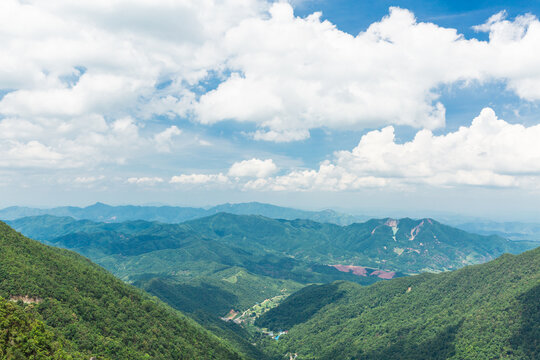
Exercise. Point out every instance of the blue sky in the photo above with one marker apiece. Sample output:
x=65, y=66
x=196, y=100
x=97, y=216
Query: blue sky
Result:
x=374, y=107
x=356, y=16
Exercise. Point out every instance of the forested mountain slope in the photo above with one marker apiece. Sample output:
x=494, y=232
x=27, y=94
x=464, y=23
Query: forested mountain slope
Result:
x=96, y=313
x=488, y=311
x=206, y=267
x=397, y=244
x=24, y=336
x=405, y=245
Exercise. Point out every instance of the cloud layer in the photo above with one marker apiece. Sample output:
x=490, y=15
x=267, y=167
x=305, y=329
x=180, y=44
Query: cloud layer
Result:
x=490, y=152
x=92, y=83
x=291, y=74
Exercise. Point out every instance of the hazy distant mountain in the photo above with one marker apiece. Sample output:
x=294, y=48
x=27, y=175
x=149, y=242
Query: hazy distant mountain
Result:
x=510, y=230
x=176, y=214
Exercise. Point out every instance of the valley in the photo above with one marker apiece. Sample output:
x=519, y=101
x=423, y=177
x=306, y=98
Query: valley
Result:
x=477, y=312
x=237, y=275
x=228, y=271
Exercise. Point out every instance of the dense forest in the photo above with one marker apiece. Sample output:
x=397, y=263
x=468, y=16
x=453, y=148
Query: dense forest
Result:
x=403, y=245
x=210, y=266
x=23, y=335
x=97, y=314
x=488, y=311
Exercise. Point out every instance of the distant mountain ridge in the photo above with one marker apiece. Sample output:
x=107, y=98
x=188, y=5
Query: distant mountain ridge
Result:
x=405, y=245
x=517, y=231
x=177, y=214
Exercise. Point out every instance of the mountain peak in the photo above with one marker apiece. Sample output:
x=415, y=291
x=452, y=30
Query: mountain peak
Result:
x=98, y=205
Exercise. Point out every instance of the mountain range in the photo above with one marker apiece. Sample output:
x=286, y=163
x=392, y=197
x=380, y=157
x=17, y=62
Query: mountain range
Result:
x=488, y=311
x=176, y=214
x=241, y=260
x=511, y=230
x=228, y=266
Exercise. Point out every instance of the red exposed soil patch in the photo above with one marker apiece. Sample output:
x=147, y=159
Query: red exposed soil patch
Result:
x=384, y=274
x=363, y=271
x=356, y=270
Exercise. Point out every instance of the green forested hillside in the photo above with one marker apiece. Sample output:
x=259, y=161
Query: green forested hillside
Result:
x=396, y=244
x=96, y=313
x=210, y=266
x=24, y=336
x=139, y=251
x=488, y=311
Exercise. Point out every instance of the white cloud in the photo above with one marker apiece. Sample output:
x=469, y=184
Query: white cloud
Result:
x=281, y=136
x=145, y=180
x=88, y=179
x=197, y=179
x=490, y=152
x=238, y=172
x=253, y=168
x=74, y=68
x=293, y=74
x=163, y=139
x=68, y=60
x=85, y=76
x=32, y=153
x=53, y=143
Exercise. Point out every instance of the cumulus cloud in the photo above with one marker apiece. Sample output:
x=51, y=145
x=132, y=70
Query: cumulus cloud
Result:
x=490, y=152
x=163, y=139
x=32, y=153
x=292, y=74
x=253, y=168
x=55, y=144
x=75, y=70
x=80, y=79
x=285, y=74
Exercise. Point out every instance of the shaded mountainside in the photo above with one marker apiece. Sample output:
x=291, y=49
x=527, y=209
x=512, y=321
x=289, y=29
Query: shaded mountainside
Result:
x=93, y=311
x=487, y=311
x=176, y=214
